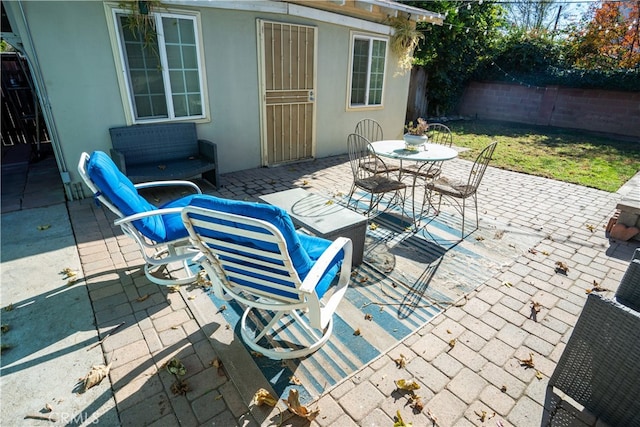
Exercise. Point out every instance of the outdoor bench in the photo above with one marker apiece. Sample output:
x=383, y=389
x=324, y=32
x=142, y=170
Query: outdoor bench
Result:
x=164, y=151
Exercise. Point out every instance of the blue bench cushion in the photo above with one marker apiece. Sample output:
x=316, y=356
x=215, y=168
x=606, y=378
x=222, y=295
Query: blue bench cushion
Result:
x=303, y=250
x=123, y=194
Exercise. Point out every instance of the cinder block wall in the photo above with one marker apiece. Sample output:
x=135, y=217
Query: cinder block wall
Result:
x=596, y=110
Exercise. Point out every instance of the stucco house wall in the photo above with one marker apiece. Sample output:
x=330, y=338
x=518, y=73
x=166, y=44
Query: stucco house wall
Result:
x=70, y=43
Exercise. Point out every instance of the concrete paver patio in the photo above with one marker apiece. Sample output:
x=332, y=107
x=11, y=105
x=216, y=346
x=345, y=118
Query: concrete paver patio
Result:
x=480, y=374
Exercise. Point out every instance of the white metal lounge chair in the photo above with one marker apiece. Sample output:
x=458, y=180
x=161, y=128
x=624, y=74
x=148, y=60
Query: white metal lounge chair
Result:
x=159, y=231
x=290, y=282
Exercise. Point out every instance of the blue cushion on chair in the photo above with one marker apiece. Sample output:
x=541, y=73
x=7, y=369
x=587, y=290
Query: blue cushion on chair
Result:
x=304, y=250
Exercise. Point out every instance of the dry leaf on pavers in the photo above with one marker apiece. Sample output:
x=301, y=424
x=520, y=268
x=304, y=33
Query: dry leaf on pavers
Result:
x=416, y=403
x=180, y=387
x=357, y=332
x=263, y=397
x=44, y=227
x=400, y=422
x=507, y=284
x=401, y=361
x=562, y=268
x=432, y=417
x=363, y=279
x=535, y=309
x=479, y=238
x=293, y=403
x=95, y=376
x=403, y=384
x=174, y=288
x=143, y=298
x=596, y=288
x=527, y=363
x=533, y=251
x=368, y=317
x=329, y=202
x=539, y=375
x=295, y=380
x=591, y=228
x=256, y=354
x=483, y=416
x=545, y=253
x=176, y=367
x=452, y=343
x=373, y=226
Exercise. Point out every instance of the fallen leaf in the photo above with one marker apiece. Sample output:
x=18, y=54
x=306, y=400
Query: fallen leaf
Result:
x=527, y=363
x=400, y=422
x=452, y=343
x=545, y=253
x=295, y=380
x=180, y=387
x=48, y=408
x=44, y=227
x=363, y=279
x=305, y=182
x=449, y=331
x=216, y=363
x=221, y=309
x=68, y=272
x=482, y=415
x=329, y=202
x=373, y=226
x=191, y=297
x=407, y=385
x=507, y=284
x=401, y=361
x=479, y=238
x=561, y=267
x=533, y=251
x=174, y=288
x=591, y=228
x=416, y=404
x=263, y=397
x=293, y=403
x=256, y=354
x=96, y=375
x=357, y=332
x=503, y=388
x=368, y=317
x=176, y=367
x=218, y=397
x=539, y=375
x=143, y=298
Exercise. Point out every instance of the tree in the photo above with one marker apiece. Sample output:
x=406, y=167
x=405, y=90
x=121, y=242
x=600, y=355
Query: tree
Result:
x=610, y=39
x=450, y=53
x=530, y=15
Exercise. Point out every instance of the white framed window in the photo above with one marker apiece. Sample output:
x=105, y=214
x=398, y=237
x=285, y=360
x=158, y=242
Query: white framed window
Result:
x=368, y=64
x=164, y=75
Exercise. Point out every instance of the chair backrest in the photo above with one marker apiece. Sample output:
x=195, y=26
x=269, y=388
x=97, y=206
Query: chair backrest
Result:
x=479, y=167
x=254, y=245
x=370, y=129
x=361, y=156
x=439, y=134
x=114, y=190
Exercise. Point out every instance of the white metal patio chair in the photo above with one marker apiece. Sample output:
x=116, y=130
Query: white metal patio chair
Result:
x=291, y=283
x=367, y=176
x=159, y=231
x=371, y=129
x=457, y=192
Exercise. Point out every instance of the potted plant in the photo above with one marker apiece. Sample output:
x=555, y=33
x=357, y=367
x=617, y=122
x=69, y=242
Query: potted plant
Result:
x=416, y=134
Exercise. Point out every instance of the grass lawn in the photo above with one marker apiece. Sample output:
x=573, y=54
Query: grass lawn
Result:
x=567, y=155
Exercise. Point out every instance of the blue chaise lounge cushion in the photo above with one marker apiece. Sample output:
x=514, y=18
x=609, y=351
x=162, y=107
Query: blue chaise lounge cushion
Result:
x=304, y=250
x=123, y=194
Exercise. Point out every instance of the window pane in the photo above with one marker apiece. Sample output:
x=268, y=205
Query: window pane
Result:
x=195, y=104
x=180, y=105
x=177, y=82
x=189, y=57
x=193, y=81
x=170, y=29
x=174, y=56
x=359, y=72
x=367, y=78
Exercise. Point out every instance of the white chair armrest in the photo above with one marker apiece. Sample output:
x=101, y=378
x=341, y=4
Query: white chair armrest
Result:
x=135, y=217
x=311, y=281
x=174, y=183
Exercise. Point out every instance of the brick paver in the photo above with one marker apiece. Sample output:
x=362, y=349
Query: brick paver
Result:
x=479, y=374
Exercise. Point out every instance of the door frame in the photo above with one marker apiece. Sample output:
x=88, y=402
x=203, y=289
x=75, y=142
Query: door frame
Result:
x=264, y=154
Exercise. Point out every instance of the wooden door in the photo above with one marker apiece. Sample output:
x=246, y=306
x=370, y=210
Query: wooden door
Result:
x=287, y=84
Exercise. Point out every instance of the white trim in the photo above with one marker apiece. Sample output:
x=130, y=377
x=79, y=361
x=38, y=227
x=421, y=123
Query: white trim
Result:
x=289, y=9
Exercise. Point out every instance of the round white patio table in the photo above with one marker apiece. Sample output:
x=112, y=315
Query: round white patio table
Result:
x=427, y=154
